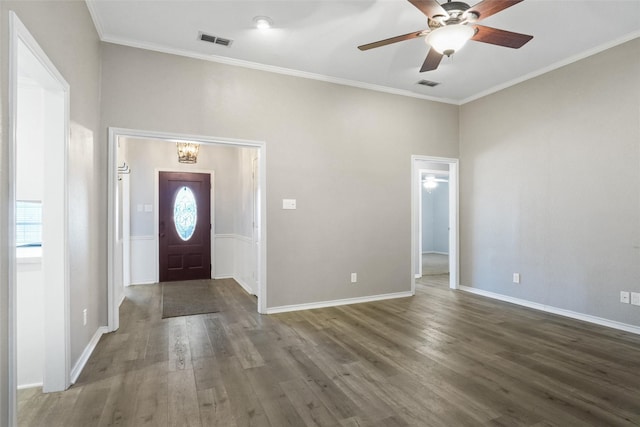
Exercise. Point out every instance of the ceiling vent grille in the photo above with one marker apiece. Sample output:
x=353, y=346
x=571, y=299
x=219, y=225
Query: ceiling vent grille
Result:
x=214, y=39
x=428, y=83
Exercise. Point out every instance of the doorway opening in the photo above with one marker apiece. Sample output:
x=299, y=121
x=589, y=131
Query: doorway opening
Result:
x=145, y=227
x=434, y=224
x=434, y=221
x=39, y=345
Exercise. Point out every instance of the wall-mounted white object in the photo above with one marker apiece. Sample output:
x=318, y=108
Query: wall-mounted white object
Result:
x=288, y=203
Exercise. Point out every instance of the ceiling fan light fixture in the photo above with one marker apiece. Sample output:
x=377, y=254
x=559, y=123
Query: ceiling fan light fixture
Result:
x=449, y=39
x=430, y=183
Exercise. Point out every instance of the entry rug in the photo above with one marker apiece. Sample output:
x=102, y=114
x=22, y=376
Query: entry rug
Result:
x=188, y=298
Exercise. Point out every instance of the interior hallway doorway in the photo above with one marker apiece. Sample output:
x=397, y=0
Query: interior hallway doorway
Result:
x=143, y=155
x=434, y=218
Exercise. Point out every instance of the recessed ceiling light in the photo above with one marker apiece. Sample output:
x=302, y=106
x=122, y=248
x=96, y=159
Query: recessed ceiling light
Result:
x=263, y=22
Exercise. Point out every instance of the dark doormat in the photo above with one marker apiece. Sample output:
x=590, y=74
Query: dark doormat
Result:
x=188, y=298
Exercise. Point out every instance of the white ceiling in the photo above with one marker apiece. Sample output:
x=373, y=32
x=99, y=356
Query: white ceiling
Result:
x=319, y=39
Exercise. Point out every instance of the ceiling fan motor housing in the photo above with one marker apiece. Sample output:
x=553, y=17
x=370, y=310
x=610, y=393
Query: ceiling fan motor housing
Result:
x=455, y=9
x=452, y=24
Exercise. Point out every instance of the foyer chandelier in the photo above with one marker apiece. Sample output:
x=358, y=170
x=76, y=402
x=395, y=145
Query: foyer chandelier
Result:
x=187, y=152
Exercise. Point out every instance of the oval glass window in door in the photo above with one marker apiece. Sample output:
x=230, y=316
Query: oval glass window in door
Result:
x=185, y=213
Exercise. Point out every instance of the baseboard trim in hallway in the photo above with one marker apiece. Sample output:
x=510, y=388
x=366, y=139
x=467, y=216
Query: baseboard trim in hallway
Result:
x=555, y=310
x=338, y=302
x=86, y=354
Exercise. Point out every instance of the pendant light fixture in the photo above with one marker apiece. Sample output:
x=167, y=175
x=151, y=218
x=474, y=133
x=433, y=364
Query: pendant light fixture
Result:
x=187, y=152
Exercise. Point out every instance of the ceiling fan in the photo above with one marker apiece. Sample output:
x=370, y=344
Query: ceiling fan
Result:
x=451, y=24
x=430, y=182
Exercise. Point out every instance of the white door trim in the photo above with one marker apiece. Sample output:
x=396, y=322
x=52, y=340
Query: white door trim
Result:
x=55, y=253
x=419, y=213
x=114, y=134
x=454, y=255
x=126, y=231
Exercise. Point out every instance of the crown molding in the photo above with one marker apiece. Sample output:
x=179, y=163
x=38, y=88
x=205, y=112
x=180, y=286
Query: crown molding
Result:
x=552, y=67
x=273, y=69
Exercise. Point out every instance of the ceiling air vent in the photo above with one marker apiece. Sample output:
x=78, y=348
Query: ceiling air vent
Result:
x=214, y=39
x=428, y=83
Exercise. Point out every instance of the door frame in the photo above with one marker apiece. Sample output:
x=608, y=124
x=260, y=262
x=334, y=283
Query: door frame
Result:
x=126, y=231
x=416, y=208
x=57, y=365
x=156, y=209
x=114, y=134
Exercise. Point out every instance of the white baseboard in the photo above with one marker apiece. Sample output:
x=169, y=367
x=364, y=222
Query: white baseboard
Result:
x=244, y=286
x=223, y=277
x=335, y=303
x=25, y=386
x=121, y=301
x=435, y=252
x=84, y=357
x=555, y=310
x=153, y=282
x=417, y=276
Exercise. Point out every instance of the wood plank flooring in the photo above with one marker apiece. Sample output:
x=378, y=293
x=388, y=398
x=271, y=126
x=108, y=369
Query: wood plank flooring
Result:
x=441, y=358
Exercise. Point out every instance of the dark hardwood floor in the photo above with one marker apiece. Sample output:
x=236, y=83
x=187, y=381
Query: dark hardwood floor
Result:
x=441, y=358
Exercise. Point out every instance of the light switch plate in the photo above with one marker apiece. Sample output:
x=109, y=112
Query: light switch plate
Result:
x=624, y=297
x=635, y=298
x=148, y=208
x=288, y=203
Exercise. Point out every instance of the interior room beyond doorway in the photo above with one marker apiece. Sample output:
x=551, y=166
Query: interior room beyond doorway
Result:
x=232, y=206
x=435, y=220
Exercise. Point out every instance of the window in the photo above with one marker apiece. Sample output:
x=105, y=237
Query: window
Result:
x=185, y=213
x=28, y=223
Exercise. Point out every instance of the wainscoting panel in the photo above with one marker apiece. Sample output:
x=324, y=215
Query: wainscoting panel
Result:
x=144, y=265
x=234, y=256
x=30, y=319
x=224, y=262
x=245, y=264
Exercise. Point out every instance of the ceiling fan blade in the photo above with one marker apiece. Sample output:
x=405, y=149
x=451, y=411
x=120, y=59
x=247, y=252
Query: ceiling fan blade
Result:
x=486, y=8
x=430, y=8
x=396, y=39
x=432, y=61
x=500, y=37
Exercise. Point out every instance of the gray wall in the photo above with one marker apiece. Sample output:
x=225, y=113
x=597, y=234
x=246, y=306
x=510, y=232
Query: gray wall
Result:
x=343, y=153
x=550, y=187
x=66, y=33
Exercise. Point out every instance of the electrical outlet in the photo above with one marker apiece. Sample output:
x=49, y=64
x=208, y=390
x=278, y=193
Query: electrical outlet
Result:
x=84, y=317
x=624, y=297
x=516, y=277
x=635, y=298
x=354, y=277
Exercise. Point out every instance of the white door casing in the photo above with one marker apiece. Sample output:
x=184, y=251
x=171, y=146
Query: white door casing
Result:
x=55, y=258
x=416, y=236
x=114, y=134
